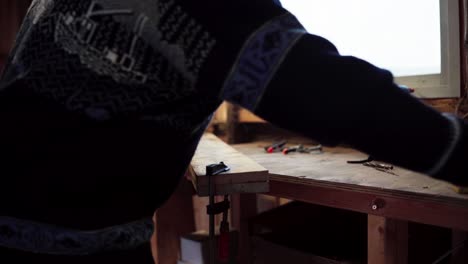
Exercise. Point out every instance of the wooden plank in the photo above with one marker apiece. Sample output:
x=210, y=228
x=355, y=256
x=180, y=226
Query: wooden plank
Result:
x=232, y=124
x=328, y=180
x=244, y=207
x=225, y=189
x=245, y=116
x=394, y=206
x=387, y=241
x=331, y=169
x=170, y=225
x=443, y=105
x=245, y=175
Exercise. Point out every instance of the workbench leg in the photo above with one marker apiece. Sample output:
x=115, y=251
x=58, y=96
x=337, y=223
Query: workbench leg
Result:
x=387, y=240
x=244, y=207
x=172, y=220
x=459, y=239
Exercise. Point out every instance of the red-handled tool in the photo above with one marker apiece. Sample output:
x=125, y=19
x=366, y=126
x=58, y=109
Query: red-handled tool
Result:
x=278, y=146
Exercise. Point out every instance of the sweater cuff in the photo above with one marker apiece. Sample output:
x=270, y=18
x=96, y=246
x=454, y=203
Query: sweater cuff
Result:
x=456, y=132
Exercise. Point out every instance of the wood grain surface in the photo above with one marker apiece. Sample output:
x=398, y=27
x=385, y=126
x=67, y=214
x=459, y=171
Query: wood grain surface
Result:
x=244, y=176
x=330, y=169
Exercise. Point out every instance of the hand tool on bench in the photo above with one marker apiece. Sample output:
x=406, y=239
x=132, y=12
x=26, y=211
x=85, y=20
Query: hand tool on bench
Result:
x=275, y=147
x=302, y=149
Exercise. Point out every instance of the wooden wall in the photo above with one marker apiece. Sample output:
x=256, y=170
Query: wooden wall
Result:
x=11, y=15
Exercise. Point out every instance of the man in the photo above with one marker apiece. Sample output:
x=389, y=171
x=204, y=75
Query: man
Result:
x=103, y=102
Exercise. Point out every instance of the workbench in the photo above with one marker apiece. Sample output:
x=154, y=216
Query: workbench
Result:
x=389, y=199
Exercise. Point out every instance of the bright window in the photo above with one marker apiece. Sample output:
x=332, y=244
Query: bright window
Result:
x=417, y=40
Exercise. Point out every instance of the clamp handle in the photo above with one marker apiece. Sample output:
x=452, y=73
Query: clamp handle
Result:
x=217, y=168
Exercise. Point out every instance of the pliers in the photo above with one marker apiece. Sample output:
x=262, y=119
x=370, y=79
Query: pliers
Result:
x=302, y=149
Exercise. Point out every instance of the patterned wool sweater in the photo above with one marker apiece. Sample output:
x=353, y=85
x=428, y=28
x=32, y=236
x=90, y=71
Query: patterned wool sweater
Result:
x=104, y=101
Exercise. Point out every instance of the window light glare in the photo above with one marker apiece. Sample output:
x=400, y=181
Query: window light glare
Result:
x=402, y=36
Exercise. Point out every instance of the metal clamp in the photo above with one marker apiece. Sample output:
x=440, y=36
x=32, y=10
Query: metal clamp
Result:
x=215, y=208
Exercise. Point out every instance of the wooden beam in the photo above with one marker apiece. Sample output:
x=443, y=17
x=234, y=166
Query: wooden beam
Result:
x=170, y=224
x=327, y=179
x=396, y=206
x=244, y=207
x=245, y=175
x=387, y=241
x=232, y=122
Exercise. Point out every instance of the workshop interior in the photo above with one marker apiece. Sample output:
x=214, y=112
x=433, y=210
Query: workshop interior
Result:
x=257, y=193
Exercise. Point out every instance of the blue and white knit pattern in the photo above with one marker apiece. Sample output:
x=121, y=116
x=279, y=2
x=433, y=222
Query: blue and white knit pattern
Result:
x=110, y=58
x=53, y=240
x=259, y=60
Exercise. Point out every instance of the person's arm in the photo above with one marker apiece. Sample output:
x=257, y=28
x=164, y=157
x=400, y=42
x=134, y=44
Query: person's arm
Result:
x=344, y=100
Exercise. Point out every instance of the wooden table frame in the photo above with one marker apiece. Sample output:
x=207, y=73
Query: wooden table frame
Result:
x=390, y=203
x=389, y=210
x=388, y=223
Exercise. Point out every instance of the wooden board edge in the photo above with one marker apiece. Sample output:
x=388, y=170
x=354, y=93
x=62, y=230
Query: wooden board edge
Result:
x=244, y=177
x=226, y=189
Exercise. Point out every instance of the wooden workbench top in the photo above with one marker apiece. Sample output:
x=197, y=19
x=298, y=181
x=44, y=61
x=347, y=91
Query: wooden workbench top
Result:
x=244, y=176
x=331, y=169
x=327, y=179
